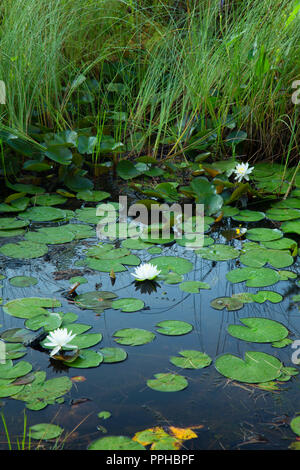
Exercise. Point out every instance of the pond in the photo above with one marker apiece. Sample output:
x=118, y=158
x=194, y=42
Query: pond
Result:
x=220, y=411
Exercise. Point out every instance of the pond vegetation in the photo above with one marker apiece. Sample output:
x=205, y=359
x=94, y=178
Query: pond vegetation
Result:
x=134, y=339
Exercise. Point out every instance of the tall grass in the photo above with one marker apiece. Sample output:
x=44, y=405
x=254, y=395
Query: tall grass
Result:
x=184, y=64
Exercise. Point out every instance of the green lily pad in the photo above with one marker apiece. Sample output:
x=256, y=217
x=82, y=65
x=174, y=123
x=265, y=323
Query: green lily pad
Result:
x=48, y=200
x=173, y=327
x=23, y=281
x=115, y=443
x=218, y=252
x=281, y=244
x=104, y=414
x=191, y=359
x=280, y=214
x=92, y=196
x=81, y=230
x=259, y=256
x=282, y=343
x=111, y=355
x=133, y=336
x=249, y=216
x=230, y=303
x=265, y=295
x=45, y=431
x=285, y=275
x=291, y=227
x=7, y=223
x=24, y=250
x=43, y=214
x=135, y=244
x=295, y=425
x=51, y=235
x=41, y=392
x=9, y=371
x=29, y=307
x=86, y=359
x=128, y=304
x=78, y=279
x=168, y=382
x=264, y=234
x=172, y=263
x=11, y=233
x=14, y=351
x=257, y=367
x=95, y=300
x=193, y=287
x=254, y=277
x=17, y=335
x=258, y=330
x=10, y=390
x=171, y=278
x=49, y=322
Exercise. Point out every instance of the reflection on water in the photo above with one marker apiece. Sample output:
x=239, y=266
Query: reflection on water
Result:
x=234, y=415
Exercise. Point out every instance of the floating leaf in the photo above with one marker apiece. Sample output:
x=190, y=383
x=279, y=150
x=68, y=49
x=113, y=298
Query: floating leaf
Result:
x=7, y=223
x=258, y=330
x=96, y=300
x=128, y=304
x=24, y=250
x=29, y=307
x=23, y=281
x=43, y=214
x=111, y=355
x=115, y=443
x=172, y=263
x=45, y=431
x=48, y=199
x=86, y=359
x=257, y=367
x=104, y=414
x=249, y=216
x=218, y=252
x=254, y=277
x=193, y=287
x=263, y=234
x=92, y=196
x=173, y=327
x=133, y=336
x=191, y=359
x=51, y=235
x=230, y=303
x=168, y=382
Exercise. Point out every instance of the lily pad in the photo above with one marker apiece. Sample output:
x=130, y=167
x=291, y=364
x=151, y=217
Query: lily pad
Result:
x=7, y=223
x=173, y=327
x=191, y=359
x=218, y=252
x=128, y=304
x=86, y=359
x=43, y=214
x=29, y=307
x=258, y=330
x=51, y=235
x=24, y=250
x=257, y=367
x=45, y=431
x=249, y=216
x=230, y=303
x=193, y=287
x=111, y=355
x=263, y=234
x=291, y=227
x=81, y=230
x=172, y=263
x=95, y=300
x=259, y=256
x=168, y=382
x=133, y=336
x=280, y=214
x=92, y=196
x=23, y=281
x=115, y=443
x=254, y=277
x=48, y=199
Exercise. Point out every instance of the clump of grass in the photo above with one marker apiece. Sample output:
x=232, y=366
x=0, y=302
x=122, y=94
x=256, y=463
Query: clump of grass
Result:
x=184, y=65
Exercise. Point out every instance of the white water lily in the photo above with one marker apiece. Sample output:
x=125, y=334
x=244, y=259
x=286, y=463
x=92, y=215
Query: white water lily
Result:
x=145, y=271
x=58, y=339
x=241, y=171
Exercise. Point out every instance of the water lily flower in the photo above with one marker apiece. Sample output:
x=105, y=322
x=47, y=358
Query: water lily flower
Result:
x=145, y=271
x=241, y=171
x=58, y=339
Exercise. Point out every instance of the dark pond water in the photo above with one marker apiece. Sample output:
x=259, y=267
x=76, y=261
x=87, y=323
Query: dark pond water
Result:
x=233, y=415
